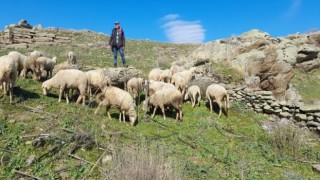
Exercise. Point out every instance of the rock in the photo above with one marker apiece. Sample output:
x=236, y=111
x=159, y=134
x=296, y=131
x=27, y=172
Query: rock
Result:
x=106, y=159
x=309, y=66
x=259, y=110
x=307, y=52
x=310, y=108
x=31, y=160
x=300, y=117
x=278, y=111
x=267, y=109
x=253, y=82
x=267, y=98
x=28, y=142
x=285, y=109
x=120, y=76
x=310, y=118
x=312, y=124
x=12, y=121
x=203, y=82
x=285, y=115
x=317, y=120
x=315, y=114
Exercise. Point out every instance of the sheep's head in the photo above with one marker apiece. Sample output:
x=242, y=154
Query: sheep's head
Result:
x=54, y=59
x=46, y=88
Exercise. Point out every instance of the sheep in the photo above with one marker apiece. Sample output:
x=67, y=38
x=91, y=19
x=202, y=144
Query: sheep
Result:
x=65, y=80
x=72, y=58
x=30, y=64
x=165, y=76
x=175, y=68
x=152, y=86
x=45, y=64
x=194, y=94
x=155, y=74
x=117, y=98
x=187, y=74
x=19, y=59
x=97, y=80
x=8, y=74
x=219, y=93
x=134, y=86
x=164, y=98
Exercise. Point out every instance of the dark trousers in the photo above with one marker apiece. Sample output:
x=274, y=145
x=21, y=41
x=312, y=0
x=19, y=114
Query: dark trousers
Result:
x=115, y=50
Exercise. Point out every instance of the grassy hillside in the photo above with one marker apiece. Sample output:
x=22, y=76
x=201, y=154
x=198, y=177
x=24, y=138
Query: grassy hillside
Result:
x=47, y=139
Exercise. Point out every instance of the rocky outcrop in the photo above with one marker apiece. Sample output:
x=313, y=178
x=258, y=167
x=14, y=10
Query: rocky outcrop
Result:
x=120, y=76
x=266, y=62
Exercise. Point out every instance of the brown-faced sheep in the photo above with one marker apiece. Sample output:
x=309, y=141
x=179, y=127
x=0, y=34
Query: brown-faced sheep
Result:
x=166, y=97
x=194, y=94
x=65, y=80
x=218, y=93
x=119, y=99
x=8, y=74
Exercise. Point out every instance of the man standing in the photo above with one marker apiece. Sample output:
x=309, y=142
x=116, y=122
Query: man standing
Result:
x=117, y=42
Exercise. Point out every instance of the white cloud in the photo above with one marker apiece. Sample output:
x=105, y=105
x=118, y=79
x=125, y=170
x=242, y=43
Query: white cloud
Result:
x=293, y=9
x=180, y=31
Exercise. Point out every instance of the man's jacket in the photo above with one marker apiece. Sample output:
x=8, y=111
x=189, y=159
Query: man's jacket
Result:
x=121, y=38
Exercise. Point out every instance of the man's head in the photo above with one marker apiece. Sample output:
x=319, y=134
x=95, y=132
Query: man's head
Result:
x=117, y=24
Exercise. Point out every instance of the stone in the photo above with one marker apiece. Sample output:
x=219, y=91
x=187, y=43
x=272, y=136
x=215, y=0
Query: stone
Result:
x=267, y=109
x=259, y=110
x=249, y=104
x=278, y=111
x=285, y=115
x=310, y=118
x=310, y=108
x=12, y=121
x=285, y=109
x=300, y=117
x=266, y=93
x=31, y=160
x=313, y=124
x=316, y=114
x=275, y=104
x=317, y=120
x=119, y=76
x=267, y=98
x=106, y=159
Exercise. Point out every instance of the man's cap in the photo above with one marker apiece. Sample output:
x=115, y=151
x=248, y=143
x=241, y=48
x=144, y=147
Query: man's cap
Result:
x=116, y=22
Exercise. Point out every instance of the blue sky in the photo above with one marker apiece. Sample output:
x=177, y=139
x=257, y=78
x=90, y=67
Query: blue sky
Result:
x=176, y=21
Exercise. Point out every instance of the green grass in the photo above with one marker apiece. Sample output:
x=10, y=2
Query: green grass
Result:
x=201, y=147
x=308, y=85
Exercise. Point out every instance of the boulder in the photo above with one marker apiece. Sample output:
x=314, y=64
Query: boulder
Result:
x=307, y=52
x=120, y=76
x=310, y=108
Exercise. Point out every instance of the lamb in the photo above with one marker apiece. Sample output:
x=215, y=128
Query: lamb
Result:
x=65, y=80
x=97, y=80
x=119, y=99
x=165, y=76
x=72, y=58
x=30, y=64
x=194, y=94
x=8, y=74
x=19, y=59
x=45, y=64
x=175, y=68
x=155, y=74
x=134, y=86
x=219, y=93
x=164, y=98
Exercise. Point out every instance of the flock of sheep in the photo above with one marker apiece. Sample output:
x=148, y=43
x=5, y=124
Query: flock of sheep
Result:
x=164, y=89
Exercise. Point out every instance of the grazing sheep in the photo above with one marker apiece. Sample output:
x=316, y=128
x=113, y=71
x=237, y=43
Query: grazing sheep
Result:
x=134, y=86
x=194, y=94
x=45, y=64
x=165, y=76
x=166, y=97
x=155, y=74
x=72, y=58
x=119, y=99
x=8, y=74
x=187, y=74
x=219, y=93
x=19, y=59
x=30, y=64
x=181, y=83
x=63, y=66
x=97, y=80
x=175, y=68
x=152, y=86
x=65, y=80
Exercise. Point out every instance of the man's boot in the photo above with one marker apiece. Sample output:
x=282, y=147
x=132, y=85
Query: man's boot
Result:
x=125, y=65
x=115, y=65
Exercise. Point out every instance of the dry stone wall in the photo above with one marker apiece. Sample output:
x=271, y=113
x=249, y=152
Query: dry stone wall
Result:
x=18, y=37
x=264, y=102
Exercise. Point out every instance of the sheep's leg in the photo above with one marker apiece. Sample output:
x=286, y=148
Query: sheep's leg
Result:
x=100, y=104
x=124, y=116
x=60, y=94
x=154, y=111
x=163, y=112
x=83, y=100
x=4, y=84
x=193, y=101
x=10, y=93
x=180, y=111
x=220, y=107
x=66, y=92
x=210, y=102
x=199, y=99
x=108, y=113
x=120, y=116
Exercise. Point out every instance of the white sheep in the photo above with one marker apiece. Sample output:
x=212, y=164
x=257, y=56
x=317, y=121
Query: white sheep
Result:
x=134, y=86
x=19, y=59
x=175, y=68
x=65, y=80
x=8, y=74
x=97, y=80
x=119, y=99
x=187, y=74
x=218, y=93
x=30, y=64
x=194, y=94
x=165, y=76
x=166, y=97
x=45, y=64
x=154, y=74
x=72, y=58
x=152, y=86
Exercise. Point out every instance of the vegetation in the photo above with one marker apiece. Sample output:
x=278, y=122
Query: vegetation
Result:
x=43, y=138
